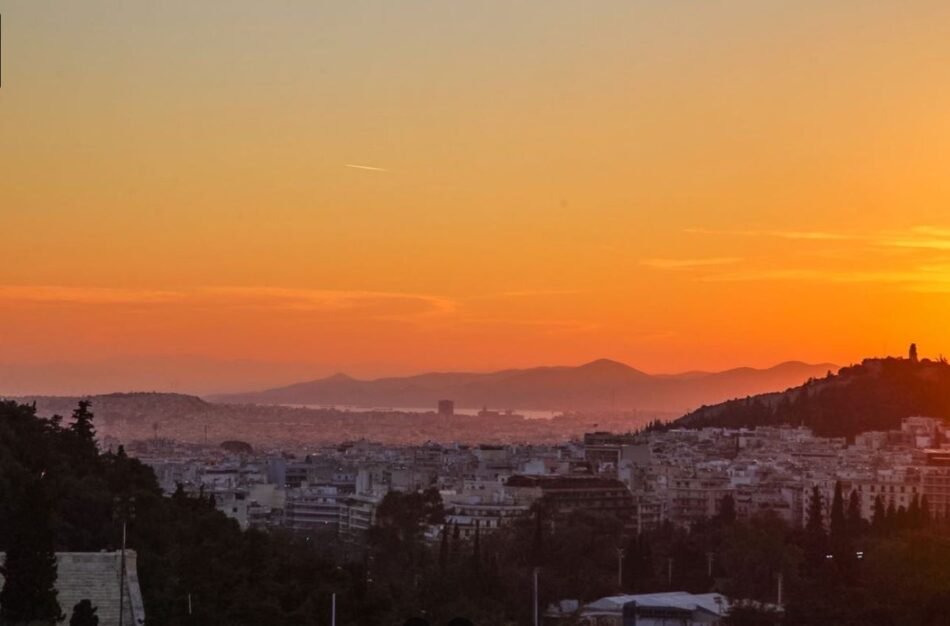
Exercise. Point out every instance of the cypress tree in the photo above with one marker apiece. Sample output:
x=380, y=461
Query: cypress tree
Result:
x=537, y=543
x=925, y=516
x=477, y=547
x=444, y=549
x=879, y=521
x=815, y=537
x=456, y=538
x=901, y=519
x=855, y=523
x=838, y=527
x=815, y=522
x=727, y=509
x=891, y=517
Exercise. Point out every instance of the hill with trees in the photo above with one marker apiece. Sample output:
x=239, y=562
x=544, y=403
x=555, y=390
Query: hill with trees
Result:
x=873, y=395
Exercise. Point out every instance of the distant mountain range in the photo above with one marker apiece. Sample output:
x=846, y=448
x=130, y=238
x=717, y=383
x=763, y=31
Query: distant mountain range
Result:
x=874, y=395
x=601, y=384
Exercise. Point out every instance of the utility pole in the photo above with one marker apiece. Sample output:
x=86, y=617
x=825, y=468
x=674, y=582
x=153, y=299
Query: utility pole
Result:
x=124, y=510
x=333, y=610
x=669, y=571
x=122, y=577
x=535, y=596
x=620, y=555
x=709, y=564
x=779, y=594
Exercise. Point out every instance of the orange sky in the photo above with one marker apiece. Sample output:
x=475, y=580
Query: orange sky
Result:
x=677, y=185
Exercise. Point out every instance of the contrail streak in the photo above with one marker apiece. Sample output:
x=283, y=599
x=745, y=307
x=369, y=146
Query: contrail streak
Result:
x=365, y=167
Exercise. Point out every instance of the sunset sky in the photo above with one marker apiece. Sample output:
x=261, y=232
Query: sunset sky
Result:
x=208, y=196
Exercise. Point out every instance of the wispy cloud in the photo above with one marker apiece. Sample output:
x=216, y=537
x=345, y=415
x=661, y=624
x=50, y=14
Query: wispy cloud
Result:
x=546, y=325
x=369, y=303
x=922, y=278
x=807, y=235
x=919, y=237
x=85, y=295
x=677, y=264
x=333, y=300
x=370, y=168
x=531, y=293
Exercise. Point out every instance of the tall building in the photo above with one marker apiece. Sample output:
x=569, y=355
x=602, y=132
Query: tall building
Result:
x=446, y=408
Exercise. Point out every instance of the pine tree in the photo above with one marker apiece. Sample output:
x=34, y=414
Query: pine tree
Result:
x=83, y=438
x=82, y=422
x=29, y=569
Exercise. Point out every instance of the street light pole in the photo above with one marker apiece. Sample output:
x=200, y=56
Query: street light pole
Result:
x=124, y=510
x=620, y=555
x=122, y=577
x=535, y=596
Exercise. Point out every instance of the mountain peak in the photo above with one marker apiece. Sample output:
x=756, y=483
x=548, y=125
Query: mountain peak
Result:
x=602, y=364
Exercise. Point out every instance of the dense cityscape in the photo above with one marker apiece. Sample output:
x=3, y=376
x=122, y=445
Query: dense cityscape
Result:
x=706, y=524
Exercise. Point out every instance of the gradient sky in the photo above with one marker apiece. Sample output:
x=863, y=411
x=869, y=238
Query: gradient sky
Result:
x=392, y=186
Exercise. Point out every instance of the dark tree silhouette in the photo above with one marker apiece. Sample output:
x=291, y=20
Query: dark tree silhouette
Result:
x=29, y=569
x=727, y=509
x=879, y=521
x=815, y=520
x=816, y=540
x=477, y=547
x=838, y=527
x=82, y=422
x=855, y=523
x=444, y=550
x=84, y=614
